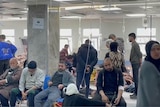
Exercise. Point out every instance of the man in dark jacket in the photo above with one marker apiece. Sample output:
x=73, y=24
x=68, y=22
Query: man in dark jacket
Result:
x=86, y=60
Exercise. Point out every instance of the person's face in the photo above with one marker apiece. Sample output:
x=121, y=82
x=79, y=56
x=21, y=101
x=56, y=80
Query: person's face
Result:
x=31, y=71
x=13, y=64
x=155, y=51
x=130, y=38
x=108, y=65
x=62, y=67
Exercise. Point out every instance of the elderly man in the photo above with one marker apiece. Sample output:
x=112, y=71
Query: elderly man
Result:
x=59, y=80
x=110, y=85
x=30, y=84
x=8, y=80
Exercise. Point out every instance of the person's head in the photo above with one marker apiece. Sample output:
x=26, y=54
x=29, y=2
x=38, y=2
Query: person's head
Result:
x=32, y=66
x=2, y=37
x=88, y=42
x=108, y=42
x=70, y=58
x=13, y=63
x=71, y=89
x=112, y=36
x=62, y=66
x=108, y=64
x=153, y=50
x=114, y=46
x=132, y=37
x=66, y=46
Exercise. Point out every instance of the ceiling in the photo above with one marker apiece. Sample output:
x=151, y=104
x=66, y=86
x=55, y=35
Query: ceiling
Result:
x=17, y=9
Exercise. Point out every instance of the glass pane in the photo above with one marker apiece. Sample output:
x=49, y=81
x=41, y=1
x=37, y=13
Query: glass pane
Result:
x=146, y=32
x=10, y=40
x=65, y=32
x=91, y=32
x=142, y=48
x=8, y=32
x=144, y=39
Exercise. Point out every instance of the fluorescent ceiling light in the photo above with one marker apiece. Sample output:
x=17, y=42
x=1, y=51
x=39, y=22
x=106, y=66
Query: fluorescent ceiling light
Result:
x=136, y=15
x=83, y=7
x=146, y=7
x=71, y=17
x=109, y=9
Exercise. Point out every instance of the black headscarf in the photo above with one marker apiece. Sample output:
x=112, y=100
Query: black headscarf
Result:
x=114, y=46
x=148, y=52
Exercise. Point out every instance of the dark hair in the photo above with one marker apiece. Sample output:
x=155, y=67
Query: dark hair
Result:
x=32, y=65
x=2, y=36
x=111, y=36
x=114, y=46
x=66, y=45
x=132, y=35
x=87, y=41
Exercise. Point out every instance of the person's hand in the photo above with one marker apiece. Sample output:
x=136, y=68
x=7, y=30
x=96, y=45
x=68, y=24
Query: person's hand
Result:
x=88, y=69
x=50, y=83
x=108, y=105
x=105, y=99
x=60, y=86
x=116, y=101
x=24, y=95
x=2, y=82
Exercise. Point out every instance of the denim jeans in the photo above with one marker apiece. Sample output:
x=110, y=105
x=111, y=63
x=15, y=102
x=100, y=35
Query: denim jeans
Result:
x=15, y=92
x=51, y=94
x=135, y=69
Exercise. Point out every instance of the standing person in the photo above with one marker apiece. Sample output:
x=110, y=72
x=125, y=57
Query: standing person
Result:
x=8, y=80
x=119, y=40
x=7, y=51
x=136, y=60
x=86, y=60
x=64, y=53
x=149, y=79
x=30, y=84
x=110, y=85
x=59, y=80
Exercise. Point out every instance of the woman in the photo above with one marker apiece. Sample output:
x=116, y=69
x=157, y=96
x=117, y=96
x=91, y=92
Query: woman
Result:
x=149, y=80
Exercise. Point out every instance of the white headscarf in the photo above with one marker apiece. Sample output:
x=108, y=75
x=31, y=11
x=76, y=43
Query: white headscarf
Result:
x=71, y=89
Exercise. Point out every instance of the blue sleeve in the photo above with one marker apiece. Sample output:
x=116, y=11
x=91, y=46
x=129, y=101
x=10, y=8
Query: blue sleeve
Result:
x=13, y=49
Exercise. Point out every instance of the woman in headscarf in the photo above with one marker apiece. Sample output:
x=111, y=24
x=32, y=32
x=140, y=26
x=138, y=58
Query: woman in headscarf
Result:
x=116, y=57
x=149, y=80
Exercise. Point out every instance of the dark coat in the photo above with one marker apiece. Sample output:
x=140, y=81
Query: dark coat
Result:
x=82, y=57
x=76, y=100
x=13, y=81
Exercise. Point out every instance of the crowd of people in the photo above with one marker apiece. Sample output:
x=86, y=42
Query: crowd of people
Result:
x=113, y=78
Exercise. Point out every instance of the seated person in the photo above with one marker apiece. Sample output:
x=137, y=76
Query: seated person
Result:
x=8, y=80
x=110, y=85
x=30, y=84
x=74, y=99
x=59, y=80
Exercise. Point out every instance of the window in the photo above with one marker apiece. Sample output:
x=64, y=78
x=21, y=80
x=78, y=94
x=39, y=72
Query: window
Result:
x=143, y=36
x=94, y=35
x=10, y=35
x=66, y=38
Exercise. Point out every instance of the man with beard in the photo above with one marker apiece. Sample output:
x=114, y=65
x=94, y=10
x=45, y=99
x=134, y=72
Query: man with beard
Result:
x=110, y=85
x=59, y=80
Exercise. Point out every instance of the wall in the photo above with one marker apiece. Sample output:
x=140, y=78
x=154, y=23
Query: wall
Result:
x=106, y=27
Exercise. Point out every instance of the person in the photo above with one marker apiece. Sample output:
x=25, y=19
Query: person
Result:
x=74, y=99
x=64, y=53
x=31, y=82
x=8, y=80
x=110, y=85
x=7, y=51
x=149, y=79
x=136, y=60
x=119, y=40
x=116, y=57
x=59, y=80
x=86, y=60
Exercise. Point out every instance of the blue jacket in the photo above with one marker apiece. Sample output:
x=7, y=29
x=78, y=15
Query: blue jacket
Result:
x=7, y=50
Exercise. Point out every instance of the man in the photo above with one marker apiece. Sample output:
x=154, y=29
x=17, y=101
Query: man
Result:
x=86, y=60
x=7, y=52
x=30, y=84
x=64, y=53
x=136, y=60
x=8, y=80
x=110, y=85
x=119, y=40
x=59, y=80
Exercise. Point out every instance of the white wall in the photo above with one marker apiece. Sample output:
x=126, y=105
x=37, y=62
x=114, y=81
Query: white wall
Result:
x=106, y=27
